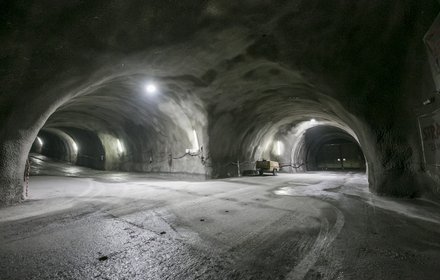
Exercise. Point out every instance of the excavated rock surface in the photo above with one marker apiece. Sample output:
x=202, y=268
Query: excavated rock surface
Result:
x=235, y=72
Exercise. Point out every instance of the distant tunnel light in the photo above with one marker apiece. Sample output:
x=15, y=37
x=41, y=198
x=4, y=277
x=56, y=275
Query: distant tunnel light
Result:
x=150, y=88
x=40, y=141
x=312, y=120
x=120, y=146
x=75, y=147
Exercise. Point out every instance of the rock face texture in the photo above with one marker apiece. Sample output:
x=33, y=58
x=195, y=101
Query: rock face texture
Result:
x=191, y=86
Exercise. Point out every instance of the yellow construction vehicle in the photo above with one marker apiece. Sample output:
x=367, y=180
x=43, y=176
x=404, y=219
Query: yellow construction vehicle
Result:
x=267, y=166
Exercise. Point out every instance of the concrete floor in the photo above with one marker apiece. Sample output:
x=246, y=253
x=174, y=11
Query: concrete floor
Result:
x=293, y=226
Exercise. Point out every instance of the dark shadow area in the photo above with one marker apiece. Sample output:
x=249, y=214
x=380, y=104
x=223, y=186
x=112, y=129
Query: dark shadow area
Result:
x=331, y=148
x=90, y=149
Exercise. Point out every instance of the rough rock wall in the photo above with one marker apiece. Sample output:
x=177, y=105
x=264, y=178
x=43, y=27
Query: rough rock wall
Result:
x=235, y=72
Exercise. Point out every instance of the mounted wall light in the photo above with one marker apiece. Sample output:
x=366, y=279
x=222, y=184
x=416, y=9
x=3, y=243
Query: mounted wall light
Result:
x=40, y=141
x=428, y=101
x=75, y=147
x=120, y=146
x=195, y=144
x=196, y=141
x=278, y=147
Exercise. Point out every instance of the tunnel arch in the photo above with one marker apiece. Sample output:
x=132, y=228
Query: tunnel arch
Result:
x=90, y=149
x=56, y=144
x=175, y=110
x=286, y=102
x=331, y=148
x=297, y=150
x=136, y=130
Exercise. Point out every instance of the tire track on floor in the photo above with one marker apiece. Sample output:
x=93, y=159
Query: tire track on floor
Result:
x=325, y=238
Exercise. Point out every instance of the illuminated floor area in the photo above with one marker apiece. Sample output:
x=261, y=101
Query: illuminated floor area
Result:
x=292, y=226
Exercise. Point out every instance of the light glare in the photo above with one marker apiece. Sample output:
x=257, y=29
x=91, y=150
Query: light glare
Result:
x=40, y=141
x=195, y=144
x=120, y=147
x=151, y=88
x=312, y=120
x=75, y=147
x=196, y=141
x=278, y=148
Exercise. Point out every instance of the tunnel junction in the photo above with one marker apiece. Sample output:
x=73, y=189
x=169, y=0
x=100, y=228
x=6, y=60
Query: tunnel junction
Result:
x=216, y=88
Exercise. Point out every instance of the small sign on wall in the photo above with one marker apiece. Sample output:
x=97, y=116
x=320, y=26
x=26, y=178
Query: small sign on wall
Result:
x=429, y=126
x=432, y=42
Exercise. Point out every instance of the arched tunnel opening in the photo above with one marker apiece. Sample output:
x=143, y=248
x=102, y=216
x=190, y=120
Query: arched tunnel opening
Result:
x=55, y=144
x=204, y=117
x=331, y=148
x=126, y=123
x=130, y=133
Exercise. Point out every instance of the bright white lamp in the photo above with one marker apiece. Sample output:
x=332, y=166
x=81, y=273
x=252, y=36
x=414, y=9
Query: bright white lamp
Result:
x=151, y=88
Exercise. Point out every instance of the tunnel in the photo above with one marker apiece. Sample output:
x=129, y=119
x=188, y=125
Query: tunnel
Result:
x=163, y=108
x=56, y=145
x=141, y=106
x=120, y=125
x=332, y=149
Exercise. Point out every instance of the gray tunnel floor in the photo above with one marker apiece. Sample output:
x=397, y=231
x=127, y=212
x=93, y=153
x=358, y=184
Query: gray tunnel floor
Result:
x=319, y=225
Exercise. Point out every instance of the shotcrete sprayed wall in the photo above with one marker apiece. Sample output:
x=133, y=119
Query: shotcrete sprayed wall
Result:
x=236, y=72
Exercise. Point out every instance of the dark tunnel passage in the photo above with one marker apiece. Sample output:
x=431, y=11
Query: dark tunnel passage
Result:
x=90, y=151
x=77, y=146
x=55, y=144
x=330, y=148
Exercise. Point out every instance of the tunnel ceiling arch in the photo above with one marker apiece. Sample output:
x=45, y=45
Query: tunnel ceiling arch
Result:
x=234, y=72
x=139, y=130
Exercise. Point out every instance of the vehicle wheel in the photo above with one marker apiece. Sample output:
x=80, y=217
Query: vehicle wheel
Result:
x=260, y=172
x=274, y=172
